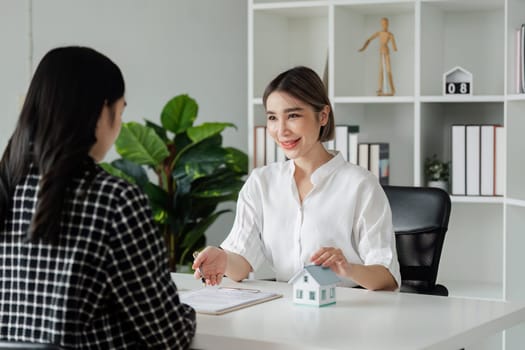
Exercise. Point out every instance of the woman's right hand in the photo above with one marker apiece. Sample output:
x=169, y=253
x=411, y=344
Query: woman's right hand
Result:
x=211, y=263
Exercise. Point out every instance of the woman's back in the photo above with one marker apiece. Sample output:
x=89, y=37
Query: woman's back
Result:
x=103, y=285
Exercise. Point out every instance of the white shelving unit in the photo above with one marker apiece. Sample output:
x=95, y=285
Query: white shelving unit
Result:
x=483, y=254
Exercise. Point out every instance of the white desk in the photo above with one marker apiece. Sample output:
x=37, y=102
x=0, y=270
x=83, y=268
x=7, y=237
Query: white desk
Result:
x=359, y=320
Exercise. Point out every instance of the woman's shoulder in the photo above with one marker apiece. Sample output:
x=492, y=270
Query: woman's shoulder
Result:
x=354, y=172
x=271, y=171
x=356, y=177
x=113, y=186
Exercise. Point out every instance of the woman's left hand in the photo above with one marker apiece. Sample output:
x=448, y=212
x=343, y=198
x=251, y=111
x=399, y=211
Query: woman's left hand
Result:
x=373, y=277
x=333, y=258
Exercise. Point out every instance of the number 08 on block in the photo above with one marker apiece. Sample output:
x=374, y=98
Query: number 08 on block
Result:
x=457, y=81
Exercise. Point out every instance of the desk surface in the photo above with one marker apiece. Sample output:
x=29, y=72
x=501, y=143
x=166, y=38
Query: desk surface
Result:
x=360, y=319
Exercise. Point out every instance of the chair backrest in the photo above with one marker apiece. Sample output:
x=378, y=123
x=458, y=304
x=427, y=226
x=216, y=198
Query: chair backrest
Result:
x=10, y=345
x=420, y=216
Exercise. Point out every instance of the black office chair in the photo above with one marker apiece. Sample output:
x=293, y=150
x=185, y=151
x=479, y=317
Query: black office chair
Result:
x=420, y=216
x=8, y=345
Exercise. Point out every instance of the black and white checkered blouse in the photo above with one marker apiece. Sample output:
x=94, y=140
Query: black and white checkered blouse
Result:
x=106, y=285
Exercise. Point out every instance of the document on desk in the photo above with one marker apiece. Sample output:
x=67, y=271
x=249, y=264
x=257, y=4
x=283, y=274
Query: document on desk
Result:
x=220, y=300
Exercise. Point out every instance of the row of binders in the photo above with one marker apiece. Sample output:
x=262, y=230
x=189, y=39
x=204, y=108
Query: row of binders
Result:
x=520, y=60
x=345, y=141
x=265, y=148
x=376, y=158
x=373, y=156
x=477, y=160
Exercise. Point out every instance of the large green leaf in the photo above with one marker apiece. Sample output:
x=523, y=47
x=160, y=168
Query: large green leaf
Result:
x=141, y=145
x=133, y=170
x=186, y=144
x=237, y=160
x=159, y=130
x=220, y=183
x=175, y=224
x=181, y=142
x=117, y=172
x=202, y=208
x=179, y=114
x=181, y=202
x=219, y=190
x=201, y=159
x=159, y=201
x=157, y=195
x=208, y=192
x=205, y=130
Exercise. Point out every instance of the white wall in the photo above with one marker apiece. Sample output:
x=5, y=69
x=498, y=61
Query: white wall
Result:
x=163, y=47
x=14, y=69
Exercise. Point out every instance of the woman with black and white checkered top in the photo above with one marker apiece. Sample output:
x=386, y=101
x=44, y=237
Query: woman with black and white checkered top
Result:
x=82, y=263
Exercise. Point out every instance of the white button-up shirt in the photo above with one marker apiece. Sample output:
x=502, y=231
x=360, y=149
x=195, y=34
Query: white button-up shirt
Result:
x=346, y=209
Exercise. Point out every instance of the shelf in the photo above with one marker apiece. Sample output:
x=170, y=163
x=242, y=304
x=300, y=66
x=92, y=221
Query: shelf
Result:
x=376, y=7
x=516, y=97
x=477, y=199
x=469, y=34
x=263, y=4
x=356, y=73
x=374, y=99
x=286, y=35
x=466, y=5
x=294, y=9
x=515, y=202
x=464, y=98
x=384, y=122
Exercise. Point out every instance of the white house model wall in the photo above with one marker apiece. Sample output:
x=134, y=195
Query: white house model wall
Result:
x=314, y=285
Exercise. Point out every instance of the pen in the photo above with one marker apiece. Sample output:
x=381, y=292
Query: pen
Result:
x=195, y=254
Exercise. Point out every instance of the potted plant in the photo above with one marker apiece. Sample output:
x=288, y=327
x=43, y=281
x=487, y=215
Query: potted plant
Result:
x=437, y=172
x=194, y=173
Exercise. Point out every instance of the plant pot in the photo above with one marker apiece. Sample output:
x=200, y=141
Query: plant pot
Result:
x=439, y=184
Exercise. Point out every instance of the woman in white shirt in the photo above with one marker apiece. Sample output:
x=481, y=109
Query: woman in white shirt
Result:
x=315, y=208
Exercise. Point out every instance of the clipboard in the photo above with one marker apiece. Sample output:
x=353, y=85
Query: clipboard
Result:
x=221, y=300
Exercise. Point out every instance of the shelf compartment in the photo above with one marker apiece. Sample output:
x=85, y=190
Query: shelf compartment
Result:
x=515, y=241
x=469, y=34
x=515, y=288
x=515, y=163
x=480, y=226
x=515, y=18
x=437, y=119
x=357, y=73
x=288, y=37
x=385, y=122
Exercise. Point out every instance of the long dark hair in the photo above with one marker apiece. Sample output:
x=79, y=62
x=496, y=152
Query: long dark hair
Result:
x=304, y=84
x=56, y=130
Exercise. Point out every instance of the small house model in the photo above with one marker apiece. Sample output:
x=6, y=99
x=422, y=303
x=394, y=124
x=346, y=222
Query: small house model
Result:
x=314, y=285
x=457, y=81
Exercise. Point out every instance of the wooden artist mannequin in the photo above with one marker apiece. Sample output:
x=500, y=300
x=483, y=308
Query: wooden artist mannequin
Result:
x=384, y=56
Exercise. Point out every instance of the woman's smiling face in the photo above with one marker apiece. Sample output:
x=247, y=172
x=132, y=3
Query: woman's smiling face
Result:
x=293, y=124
